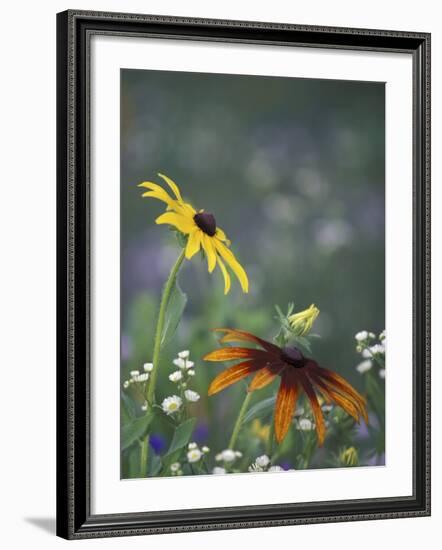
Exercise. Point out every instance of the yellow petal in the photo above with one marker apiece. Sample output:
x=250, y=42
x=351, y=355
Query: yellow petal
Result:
x=221, y=235
x=157, y=192
x=209, y=249
x=187, y=209
x=194, y=243
x=182, y=223
x=233, y=263
x=172, y=185
x=225, y=275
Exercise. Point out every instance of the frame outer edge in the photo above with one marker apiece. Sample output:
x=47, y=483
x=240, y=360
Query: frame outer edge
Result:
x=73, y=518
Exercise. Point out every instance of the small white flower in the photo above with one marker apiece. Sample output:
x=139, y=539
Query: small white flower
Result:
x=126, y=384
x=299, y=411
x=205, y=449
x=276, y=469
x=382, y=373
x=364, y=366
x=191, y=395
x=175, y=467
x=181, y=363
x=361, y=336
x=219, y=457
x=191, y=372
x=175, y=376
x=144, y=406
x=228, y=455
x=238, y=454
x=148, y=367
x=262, y=461
x=327, y=408
x=171, y=404
x=142, y=377
x=192, y=445
x=134, y=373
x=377, y=349
x=218, y=470
x=194, y=455
x=366, y=353
x=183, y=385
x=184, y=354
x=372, y=335
x=305, y=424
x=382, y=335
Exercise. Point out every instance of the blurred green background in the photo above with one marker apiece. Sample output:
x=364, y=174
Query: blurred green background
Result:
x=293, y=170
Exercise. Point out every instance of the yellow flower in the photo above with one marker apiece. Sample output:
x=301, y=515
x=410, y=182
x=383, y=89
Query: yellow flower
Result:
x=259, y=430
x=201, y=229
x=302, y=322
x=349, y=457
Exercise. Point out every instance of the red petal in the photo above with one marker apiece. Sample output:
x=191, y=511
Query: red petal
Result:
x=316, y=408
x=264, y=377
x=343, y=401
x=232, y=375
x=227, y=354
x=342, y=386
x=237, y=335
x=285, y=404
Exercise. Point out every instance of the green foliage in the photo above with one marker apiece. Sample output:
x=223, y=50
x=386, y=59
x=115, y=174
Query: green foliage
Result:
x=261, y=410
x=182, y=435
x=174, y=311
x=180, y=440
x=135, y=429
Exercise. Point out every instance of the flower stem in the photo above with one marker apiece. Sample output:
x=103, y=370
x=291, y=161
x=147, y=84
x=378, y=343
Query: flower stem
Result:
x=239, y=420
x=150, y=394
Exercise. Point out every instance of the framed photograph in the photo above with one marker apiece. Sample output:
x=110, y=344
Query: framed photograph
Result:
x=243, y=274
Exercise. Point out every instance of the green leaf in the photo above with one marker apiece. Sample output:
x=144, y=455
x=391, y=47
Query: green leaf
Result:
x=181, y=435
x=127, y=409
x=261, y=409
x=155, y=464
x=135, y=429
x=180, y=439
x=131, y=462
x=174, y=312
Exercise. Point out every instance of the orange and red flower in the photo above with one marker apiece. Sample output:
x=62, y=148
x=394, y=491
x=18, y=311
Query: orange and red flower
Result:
x=297, y=373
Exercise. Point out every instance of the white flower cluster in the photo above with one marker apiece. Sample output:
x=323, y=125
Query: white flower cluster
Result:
x=305, y=425
x=175, y=469
x=228, y=455
x=140, y=378
x=371, y=351
x=181, y=377
x=262, y=464
x=194, y=453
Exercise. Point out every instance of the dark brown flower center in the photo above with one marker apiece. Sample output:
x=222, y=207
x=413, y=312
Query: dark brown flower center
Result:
x=206, y=222
x=292, y=356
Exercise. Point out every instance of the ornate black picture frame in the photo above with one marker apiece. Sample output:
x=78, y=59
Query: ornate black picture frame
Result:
x=74, y=31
